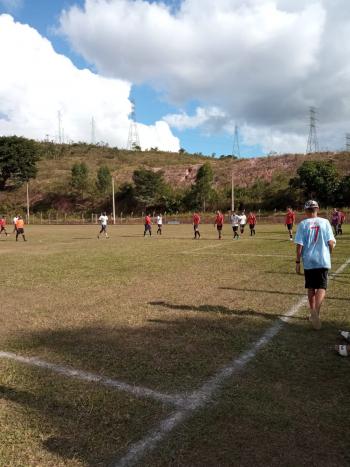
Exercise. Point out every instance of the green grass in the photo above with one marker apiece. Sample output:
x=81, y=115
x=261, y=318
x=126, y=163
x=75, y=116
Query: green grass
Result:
x=166, y=313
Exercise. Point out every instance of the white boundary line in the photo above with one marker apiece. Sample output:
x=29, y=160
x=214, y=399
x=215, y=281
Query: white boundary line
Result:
x=200, y=397
x=93, y=378
x=249, y=254
x=197, y=249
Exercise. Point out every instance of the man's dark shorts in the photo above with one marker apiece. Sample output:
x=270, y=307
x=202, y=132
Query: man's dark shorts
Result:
x=20, y=231
x=219, y=227
x=252, y=226
x=316, y=278
x=290, y=226
x=147, y=227
x=195, y=226
x=235, y=228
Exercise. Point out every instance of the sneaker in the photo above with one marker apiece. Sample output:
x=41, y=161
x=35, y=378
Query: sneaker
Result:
x=238, y=237
x=144, y=236
x=151, y=235
x=107, y=237
x=291, y=239
x=234, y=238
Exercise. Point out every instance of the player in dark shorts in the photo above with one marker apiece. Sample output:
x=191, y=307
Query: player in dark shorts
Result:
x=196, y=220
x=290, y=219
x=3, y=225
x=340, y=226
x=20, y=228
x=336, y=219
x=252, y=222
x=314, y=244
x=148, y=227
x=219, y=222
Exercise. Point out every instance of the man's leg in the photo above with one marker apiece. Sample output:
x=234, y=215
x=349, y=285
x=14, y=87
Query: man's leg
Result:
x=150, y=233
x=320, y=295
x=106, y=233
x=311, y=296
x=24, y=237
x=16, y=235
x=291, y=233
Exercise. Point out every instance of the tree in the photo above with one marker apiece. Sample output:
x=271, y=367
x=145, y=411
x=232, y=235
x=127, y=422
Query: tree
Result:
x=319, y=180
x=80, y=178
x=202, y=192
x=18, y=157
x=148, y=185
x=181, y=151
x=104, y=180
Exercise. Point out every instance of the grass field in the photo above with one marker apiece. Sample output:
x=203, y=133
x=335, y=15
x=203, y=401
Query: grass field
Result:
x=167, y=314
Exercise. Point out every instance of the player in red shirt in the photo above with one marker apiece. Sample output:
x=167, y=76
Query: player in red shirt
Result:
x=290, y=219
x=340, y=226
x=252, y=222
x=219, y=222
x=196, y=219
x=148, y=225
x=3, y=225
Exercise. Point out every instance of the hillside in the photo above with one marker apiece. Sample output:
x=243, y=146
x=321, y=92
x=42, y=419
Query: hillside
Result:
x=179, y=169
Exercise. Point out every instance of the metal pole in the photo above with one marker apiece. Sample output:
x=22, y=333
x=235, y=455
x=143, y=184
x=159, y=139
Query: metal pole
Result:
x=121, y=217
x=41, y=218
x=33, y=218
x=233, y=189
x=27, y=203
x=113, y=200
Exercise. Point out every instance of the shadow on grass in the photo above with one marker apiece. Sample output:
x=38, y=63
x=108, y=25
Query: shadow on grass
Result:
x=93, y=424
x=222, y=309
x=279, y=293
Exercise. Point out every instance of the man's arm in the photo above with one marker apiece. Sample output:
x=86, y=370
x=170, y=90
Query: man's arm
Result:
x=297, y=266
x=330, y=246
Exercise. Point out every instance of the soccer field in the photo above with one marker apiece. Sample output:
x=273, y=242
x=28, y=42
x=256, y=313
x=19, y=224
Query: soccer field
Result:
x=167, y=351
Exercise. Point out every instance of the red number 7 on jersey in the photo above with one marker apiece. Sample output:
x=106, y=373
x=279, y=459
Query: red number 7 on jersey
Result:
x=317, y=228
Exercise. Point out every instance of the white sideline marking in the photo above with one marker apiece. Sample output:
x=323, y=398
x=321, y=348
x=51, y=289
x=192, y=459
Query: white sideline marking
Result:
x=91, y=377
x=249, y=254
x=200, y=397
x=197, y=249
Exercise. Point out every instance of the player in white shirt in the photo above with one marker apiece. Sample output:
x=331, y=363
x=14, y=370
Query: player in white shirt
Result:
x=15, y=219
x=160, y=224
x=235, y=221
x=103, y=219
x=243, y=222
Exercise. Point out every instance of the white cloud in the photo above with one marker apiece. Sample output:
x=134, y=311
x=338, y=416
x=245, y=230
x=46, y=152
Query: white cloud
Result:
x=36, y=82
x=262, y=62
x=208, y=118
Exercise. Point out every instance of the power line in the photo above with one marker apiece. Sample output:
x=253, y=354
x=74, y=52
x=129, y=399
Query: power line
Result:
x=133, y=139
x=312, y=144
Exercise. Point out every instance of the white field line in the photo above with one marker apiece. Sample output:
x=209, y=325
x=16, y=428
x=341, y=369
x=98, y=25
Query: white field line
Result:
x=200, y=397
x=93, y=378
x=249, y=254
x=203, y=248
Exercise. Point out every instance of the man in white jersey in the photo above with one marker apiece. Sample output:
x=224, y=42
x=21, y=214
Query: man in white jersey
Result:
x=15, y=219
x=235, y=221
x=242, y=222
x=103, y=218
x=160, y=224
x=315, y=242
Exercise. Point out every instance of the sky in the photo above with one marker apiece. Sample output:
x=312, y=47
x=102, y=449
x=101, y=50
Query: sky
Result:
x=194, y=67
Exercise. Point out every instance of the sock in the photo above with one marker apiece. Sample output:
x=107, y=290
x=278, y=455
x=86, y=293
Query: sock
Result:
x=24, y=237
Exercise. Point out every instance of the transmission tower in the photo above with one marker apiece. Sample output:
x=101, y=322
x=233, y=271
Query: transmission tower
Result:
x=348, y=141
x=312, y=144
x=133, y=139
x=235, y=149
x=93, y=131
x=59, y=117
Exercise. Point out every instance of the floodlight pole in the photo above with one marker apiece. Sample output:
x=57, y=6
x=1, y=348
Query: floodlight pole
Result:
x=113, y=200
x=28, y=203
